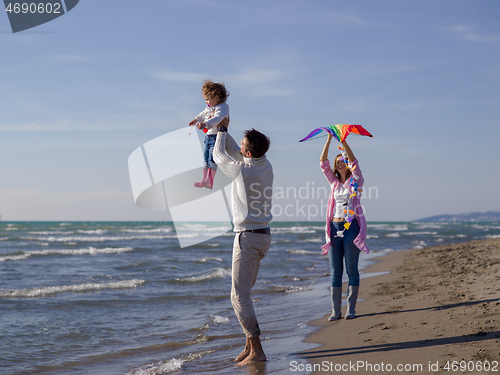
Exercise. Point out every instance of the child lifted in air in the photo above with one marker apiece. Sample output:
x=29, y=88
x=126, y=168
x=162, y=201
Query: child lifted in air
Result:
x=215, y=95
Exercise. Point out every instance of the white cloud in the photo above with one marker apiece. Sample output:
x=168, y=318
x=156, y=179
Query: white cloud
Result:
x=118, y=124
x=260, y=82
x=253, y=76
x=180, y=76
x=254, y=81
x=467, y=33
x=350, y=20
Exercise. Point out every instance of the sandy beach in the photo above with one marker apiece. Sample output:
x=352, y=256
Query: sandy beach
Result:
x=437, y=312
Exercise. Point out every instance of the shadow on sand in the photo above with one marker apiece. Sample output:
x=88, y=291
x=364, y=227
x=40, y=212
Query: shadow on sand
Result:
x=381, y=348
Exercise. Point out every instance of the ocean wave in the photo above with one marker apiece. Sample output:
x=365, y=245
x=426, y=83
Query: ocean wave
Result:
x=159, y=368
x=219, y=229
x=193, y=226
x=399, y=228
x=206, y=259
x=388, y=250
x=388, y=226
x=219, y=319
x=478, y=226
x=377, y=226
x=393, y=235
x=85, y=251
x=492, y=226
x=155, y=230
x=51, y=232
x=419, y=245
x=166, y=367
x=303, y=252
x=296, y=230
x=314, y=240
x=290, y=289
x=429, y=225
x=99, y=239
x=217, y=273
x=14, y=257
x=93, y=231
x=201, y=227
x=419, y=233
x=50, y=290
x=208, y=244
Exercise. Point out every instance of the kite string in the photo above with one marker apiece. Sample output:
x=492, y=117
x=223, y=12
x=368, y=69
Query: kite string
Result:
x=353, y=192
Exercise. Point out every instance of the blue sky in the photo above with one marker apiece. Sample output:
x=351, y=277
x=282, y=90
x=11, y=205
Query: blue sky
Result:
x=80, y=93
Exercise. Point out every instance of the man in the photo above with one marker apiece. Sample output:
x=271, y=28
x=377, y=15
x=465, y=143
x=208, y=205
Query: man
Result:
x=252, y=176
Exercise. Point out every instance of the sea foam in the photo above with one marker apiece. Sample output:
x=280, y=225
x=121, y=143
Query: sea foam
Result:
x=217, y=273
x=166, y=367
x=50, y=290
x=159, y=368
x=84, y=251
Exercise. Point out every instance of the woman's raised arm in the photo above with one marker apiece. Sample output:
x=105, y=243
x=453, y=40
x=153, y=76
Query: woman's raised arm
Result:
x=324, y=154
x=348, y=151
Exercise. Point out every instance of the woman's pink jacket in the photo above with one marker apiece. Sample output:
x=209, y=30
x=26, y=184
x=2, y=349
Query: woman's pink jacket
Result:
x=360, y=240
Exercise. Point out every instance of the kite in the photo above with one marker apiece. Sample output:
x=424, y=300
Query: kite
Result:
x=339, y=131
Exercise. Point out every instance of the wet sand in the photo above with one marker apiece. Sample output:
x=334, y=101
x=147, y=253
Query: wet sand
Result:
x=437, y=312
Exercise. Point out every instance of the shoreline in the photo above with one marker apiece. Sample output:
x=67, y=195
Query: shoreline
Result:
x=438, y=305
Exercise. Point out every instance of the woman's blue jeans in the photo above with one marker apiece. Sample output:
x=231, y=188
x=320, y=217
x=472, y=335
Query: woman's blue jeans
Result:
x=343, y=247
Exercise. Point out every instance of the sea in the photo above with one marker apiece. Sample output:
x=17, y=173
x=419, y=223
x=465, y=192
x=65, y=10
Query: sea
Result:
x=123, y=298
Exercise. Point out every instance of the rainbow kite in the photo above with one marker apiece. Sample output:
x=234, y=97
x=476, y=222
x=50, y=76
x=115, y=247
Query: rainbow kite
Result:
x=339, y=131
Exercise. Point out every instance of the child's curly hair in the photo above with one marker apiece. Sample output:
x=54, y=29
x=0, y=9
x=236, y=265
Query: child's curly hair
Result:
x=212, y=89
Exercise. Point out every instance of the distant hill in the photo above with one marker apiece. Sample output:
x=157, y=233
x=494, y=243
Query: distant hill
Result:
x=471, y=216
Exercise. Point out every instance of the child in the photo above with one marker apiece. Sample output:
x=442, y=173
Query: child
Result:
x=215, y=96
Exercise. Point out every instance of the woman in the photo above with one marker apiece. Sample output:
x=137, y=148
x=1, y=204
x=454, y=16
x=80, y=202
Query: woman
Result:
x=341, y=242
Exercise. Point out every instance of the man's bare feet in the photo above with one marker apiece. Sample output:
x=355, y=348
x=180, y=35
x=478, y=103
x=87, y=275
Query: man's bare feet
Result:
x=253, y=352
x=252, y=358
x=244, y=353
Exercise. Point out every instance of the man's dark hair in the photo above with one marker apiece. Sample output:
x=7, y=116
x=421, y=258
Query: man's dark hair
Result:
x=258, y=143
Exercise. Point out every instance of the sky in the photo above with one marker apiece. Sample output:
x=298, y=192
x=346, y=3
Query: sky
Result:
x=80, y=93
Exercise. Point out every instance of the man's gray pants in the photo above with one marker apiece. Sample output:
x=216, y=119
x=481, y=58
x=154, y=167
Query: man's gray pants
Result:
x=248, y=251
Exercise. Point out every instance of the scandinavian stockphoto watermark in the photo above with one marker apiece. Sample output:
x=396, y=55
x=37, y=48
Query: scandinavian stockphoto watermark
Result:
x=26, y=14
x=308, y=202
